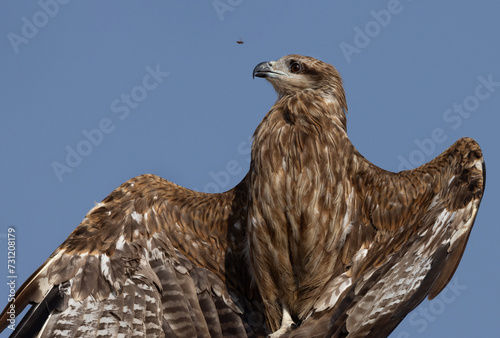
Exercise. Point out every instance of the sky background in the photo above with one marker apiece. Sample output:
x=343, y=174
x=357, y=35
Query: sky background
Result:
x=73, y=96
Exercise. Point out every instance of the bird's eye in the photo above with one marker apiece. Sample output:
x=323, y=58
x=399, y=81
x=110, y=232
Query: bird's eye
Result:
x=295, y=67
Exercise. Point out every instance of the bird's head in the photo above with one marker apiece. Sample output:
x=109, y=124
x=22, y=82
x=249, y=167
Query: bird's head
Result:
x=294, y=73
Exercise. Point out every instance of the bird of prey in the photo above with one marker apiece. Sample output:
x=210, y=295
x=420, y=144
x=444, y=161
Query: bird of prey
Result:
x=315, y=241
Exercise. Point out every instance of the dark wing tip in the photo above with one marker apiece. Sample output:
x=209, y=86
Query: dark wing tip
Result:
x=34, y=320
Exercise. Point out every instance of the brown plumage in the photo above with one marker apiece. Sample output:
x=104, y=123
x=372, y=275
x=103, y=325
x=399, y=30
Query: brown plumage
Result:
x=316, y=241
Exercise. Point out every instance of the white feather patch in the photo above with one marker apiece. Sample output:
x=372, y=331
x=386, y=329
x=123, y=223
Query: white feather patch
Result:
x=137, y=217
x=120, y=243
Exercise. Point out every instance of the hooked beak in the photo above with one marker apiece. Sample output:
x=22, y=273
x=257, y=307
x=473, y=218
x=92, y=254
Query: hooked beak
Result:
x=265, y=69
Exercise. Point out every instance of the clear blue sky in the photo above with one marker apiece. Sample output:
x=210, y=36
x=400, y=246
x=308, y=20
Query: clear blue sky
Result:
x=110, y=90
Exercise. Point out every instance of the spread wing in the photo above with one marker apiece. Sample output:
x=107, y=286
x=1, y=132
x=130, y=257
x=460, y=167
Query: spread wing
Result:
x=423, y=219
x=152, y=259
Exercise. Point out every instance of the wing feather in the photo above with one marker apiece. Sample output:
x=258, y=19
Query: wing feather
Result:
x=415, y=251
x=150, y=259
